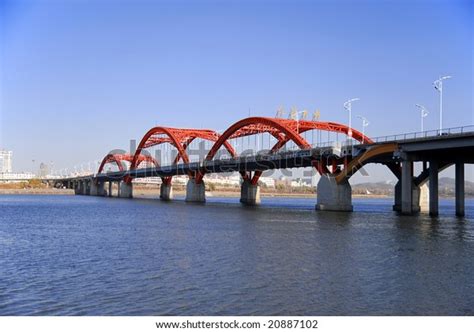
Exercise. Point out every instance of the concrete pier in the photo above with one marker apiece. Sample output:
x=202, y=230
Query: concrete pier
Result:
x=110, y=189
x=333, y=196
x=101, y=189
x=125, y=189
x=397, y=205
x=166, y=192
x=459, y=188
x=97, y=188
x=433, y=183
x=195, y=192
x=419, y=197
x=87, y=187
x=407, y=187
x=250, y=193
x=94, y=188
x=79, y=188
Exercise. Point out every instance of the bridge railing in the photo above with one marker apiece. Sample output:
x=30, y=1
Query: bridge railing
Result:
x=340, y=144
x=424, y=134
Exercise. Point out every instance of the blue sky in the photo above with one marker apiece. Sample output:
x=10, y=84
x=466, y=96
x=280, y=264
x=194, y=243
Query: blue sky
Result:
x=79, y=78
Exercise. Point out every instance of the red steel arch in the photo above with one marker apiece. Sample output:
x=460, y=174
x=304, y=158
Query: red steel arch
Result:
x=283, y=130
x=305, y=125
x=180, y=138
x=117, y=158
x=279, y=128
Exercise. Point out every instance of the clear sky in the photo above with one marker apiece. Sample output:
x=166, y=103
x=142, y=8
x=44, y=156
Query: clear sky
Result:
x=79, y=78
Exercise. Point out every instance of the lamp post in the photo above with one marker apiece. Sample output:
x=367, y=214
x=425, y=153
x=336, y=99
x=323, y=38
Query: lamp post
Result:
x=365, y=123
x=423, y=114
x=348, y=107
x=280, y=112
x=438, y=85
x=295, y=114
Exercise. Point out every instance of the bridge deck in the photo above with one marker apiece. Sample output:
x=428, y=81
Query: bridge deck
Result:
x=451, y=146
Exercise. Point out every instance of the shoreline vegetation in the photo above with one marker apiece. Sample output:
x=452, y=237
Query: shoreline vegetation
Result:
x=36, y=187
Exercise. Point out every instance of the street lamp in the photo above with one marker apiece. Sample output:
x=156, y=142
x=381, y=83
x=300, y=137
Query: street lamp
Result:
x=365, y=123
x=280, y=112
x=295, y=114
x=348, y=106
x=423, y=112
x=438, y=85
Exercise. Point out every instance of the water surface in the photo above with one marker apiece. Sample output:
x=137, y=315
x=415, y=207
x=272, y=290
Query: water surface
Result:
x=80, y=255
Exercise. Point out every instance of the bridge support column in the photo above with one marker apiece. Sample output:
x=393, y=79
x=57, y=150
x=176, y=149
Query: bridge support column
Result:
x=459, y=188
x=125, y=189
x=101, y=189
x=410, y=193
x=433, y=183
x=249, y=193
x=418, y=194
x=195, y=192
x=166, y=192
x=333, y=196
x=397, y=206
x=79, y=189
x=87, y=187
x=110, y=189
x=97, y=188
x=93, y=188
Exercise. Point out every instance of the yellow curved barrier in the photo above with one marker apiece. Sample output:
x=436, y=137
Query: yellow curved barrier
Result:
x=360, y=161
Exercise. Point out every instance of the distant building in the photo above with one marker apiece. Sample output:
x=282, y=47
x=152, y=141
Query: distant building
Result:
x=231, y=180
x=267, y=182
x=44, y=170
x=300, y=182
x=16, y=176
x=6, y=161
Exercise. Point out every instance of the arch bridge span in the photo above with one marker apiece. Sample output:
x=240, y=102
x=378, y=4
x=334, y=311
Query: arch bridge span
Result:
x=255, y=144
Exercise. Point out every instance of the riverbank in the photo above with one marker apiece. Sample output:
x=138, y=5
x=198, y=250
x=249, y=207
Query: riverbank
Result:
x=143, y=193
x=149, y=193
x=37, y=191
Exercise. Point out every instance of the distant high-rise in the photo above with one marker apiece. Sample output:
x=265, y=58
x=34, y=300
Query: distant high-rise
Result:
x=6, y=161
x=44, y=170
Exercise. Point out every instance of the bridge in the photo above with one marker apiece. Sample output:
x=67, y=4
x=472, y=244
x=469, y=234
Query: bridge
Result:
x=289, y=144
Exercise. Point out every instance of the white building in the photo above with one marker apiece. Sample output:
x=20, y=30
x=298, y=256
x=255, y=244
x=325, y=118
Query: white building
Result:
x=267, y=181
x=6, y=161
x=299, y=183
x=232, y=180
x=16, y=176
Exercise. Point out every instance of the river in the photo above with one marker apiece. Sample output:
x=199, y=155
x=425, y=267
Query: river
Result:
x=82, y=255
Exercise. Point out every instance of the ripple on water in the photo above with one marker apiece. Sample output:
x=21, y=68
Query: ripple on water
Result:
x=93, y=256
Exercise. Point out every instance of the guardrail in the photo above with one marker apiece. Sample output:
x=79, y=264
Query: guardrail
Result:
x=425, y=134
x=401, y=137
